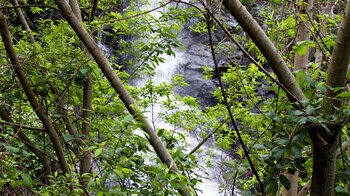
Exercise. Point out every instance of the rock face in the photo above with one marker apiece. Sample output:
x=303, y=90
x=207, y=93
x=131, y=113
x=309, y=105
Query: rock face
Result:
x=198, y=54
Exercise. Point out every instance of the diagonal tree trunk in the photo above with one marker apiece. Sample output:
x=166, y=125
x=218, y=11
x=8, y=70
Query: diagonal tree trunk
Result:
x=252, y=28
x=22, y=20
x=119, y=87
x=30, y=95
x=324, y=145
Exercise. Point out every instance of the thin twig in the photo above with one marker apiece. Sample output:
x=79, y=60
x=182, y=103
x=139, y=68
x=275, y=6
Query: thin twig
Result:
x=227, y=105
x=22, y=126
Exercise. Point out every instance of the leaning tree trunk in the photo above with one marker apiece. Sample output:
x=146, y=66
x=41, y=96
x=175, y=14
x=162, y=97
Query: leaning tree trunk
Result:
x=119, y=87
x=5, y=33
x=323, y=144
x=275, y=60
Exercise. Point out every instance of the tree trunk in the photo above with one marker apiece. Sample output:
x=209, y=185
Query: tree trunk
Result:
x=325, y=144
x=328, y=10
x=71, y=129
x=324, y=153
x=324, y=161
x=119, y=87
x=31, y=97
x=339, y=61
x=303, y=34
x=22, y=20
x=85, y=161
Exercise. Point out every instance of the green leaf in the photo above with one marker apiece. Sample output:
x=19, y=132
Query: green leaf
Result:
x=281, y=141
x=259, y=147
x=98, y=152
x=341, y=191
x=27, y=179
x=273, y=116
x=284, y=181
x=296, y=152
x=278, y=151
x=309, y=109
x=344, y=94
x=272, y=187
x=161, y=132
x=100, y=193
x=246, y=193
x=297, y=112
x=229, y=175
x=301, y=50
x=68, y=137
x=12, y=149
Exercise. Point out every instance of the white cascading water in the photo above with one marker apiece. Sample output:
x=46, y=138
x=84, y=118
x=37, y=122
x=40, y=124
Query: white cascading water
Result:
x=212, y=176
x=212, y=180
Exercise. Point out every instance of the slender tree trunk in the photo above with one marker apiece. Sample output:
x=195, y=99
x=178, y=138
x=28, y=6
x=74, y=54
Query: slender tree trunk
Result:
x=85, y=161
x=339, y=60
x=325, y=149
x=31, y=97
x=303, y=34
x=22, y=20
x=119, y=87
x=71, y=129
x=328, y=10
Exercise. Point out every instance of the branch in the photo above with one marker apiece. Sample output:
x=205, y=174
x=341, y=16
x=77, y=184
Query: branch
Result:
x=28, y=6
x=30, y=95
x=120, y=89
x=22, y=126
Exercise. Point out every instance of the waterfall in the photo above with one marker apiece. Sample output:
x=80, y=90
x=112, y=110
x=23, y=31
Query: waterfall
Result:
x=209, y=155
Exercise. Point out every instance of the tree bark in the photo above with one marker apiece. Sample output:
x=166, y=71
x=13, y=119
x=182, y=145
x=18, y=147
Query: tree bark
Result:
x=31, y=97
x=324, y=153
x=325, y=150
x=22, y=20
x=119, y=87
x=324, y=162
x=85, y=161
x=71, y=129
x=303, y=34
x=339, y=60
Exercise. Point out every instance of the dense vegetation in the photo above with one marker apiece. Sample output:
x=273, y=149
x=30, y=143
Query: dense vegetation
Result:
x=70, y=124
